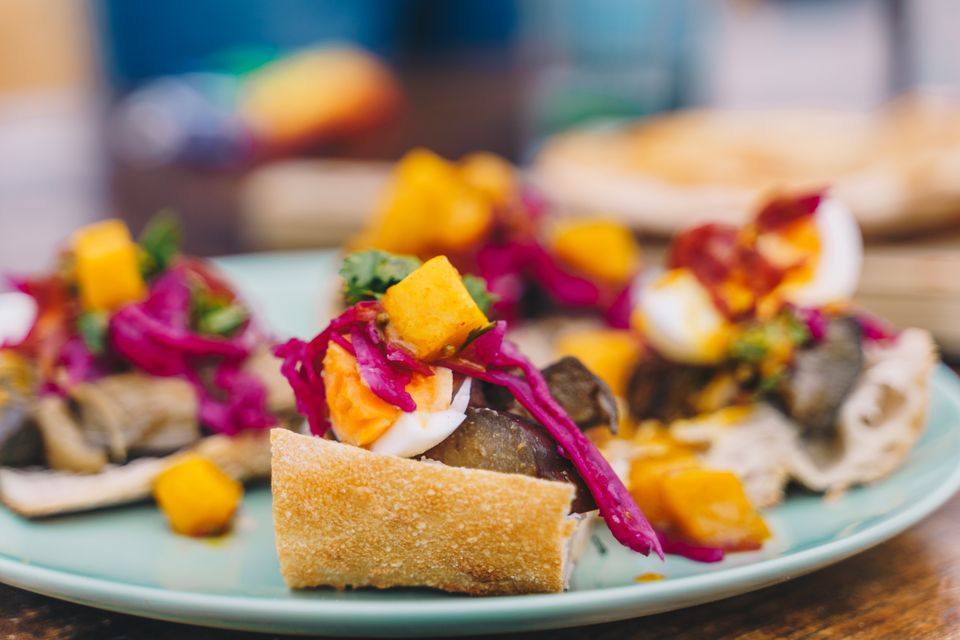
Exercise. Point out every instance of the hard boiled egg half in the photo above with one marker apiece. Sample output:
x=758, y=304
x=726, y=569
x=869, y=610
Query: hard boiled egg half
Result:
x=679, y=319
x=360, y=417
x=18, y=311
x=829, y=251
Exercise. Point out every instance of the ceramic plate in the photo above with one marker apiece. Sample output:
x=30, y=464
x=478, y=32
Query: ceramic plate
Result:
x=126, y=560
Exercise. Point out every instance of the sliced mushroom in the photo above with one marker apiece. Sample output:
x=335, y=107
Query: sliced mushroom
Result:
x=64, y=445
x=133, y=412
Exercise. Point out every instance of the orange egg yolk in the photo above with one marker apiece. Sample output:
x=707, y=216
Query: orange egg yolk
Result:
x=360, y=416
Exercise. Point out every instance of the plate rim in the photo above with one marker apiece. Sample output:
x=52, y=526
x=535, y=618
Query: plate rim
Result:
x=527, y=611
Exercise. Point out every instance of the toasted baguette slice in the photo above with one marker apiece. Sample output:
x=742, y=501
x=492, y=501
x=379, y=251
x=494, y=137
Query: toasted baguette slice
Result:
x=346, y=517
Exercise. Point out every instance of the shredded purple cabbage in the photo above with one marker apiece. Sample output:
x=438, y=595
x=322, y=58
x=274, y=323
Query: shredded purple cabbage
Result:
x=389, y=382
x=301, y=368
x=79, y=363
x=511, y=268
x=154, y=336
x=619, y=312
x=815, y=320
x=690, y=551
x=242, y=404
x=621, y=513
x=874, y=329
x=303, y=363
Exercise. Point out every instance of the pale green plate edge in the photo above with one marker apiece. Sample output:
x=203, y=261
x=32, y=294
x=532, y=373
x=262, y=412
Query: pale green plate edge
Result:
x=462, y=616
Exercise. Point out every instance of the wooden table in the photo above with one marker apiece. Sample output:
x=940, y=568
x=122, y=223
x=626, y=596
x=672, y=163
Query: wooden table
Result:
x=908, y=587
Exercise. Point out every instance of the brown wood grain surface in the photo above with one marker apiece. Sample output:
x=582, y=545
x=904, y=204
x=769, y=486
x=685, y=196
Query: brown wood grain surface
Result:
x=908, y=587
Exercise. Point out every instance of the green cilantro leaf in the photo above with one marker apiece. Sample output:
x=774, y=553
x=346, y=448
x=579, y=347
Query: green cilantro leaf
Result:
x=92, y=327
x=368, y=274
x=756, y=342
x=160, y=243
x=479, y=292
x=476, y=333
x=215, y=315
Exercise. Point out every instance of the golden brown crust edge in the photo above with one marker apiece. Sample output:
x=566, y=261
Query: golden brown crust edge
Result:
x=346, y=517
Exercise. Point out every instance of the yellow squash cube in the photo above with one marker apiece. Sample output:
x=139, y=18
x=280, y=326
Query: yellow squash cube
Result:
x=711, y=508
x=431, y=310
x=646, y=480
x=466, y=218
x=598, y=248
x=491, y=174
x=612, y=354
x=198, y=498
x=107, y=266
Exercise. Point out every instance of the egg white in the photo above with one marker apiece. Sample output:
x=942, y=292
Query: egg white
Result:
x=837, y=271
x=679, y=319
x=416, y=432
x=18, y=311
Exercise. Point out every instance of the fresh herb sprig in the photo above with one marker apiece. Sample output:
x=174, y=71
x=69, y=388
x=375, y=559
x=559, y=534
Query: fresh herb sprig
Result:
x=160, y=244
x=368, y=274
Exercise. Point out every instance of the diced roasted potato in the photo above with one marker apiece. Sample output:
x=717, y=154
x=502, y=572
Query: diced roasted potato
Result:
x=646, y=481
x=609, y=353
x=598, y=248
x=711, y=508
x=431, y=309
x=198, y=498
x=107, y=265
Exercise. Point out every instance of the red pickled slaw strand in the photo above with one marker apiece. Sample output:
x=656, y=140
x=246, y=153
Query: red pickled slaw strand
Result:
x=154, y=336
x=690, y=551
x=621, y=513
x=783, y=211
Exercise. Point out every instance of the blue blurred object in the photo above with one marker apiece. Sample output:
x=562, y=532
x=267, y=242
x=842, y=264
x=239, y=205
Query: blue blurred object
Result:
x=143, y=40
x=609, y=59
x=190, y=119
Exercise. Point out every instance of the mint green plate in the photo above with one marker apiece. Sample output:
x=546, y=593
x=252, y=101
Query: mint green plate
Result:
x=125, y=559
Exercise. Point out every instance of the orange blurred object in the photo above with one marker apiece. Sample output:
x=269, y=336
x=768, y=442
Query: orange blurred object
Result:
x=319, y=95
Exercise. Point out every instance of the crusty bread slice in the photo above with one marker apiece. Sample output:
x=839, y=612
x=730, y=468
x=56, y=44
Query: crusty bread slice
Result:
x=346, y=517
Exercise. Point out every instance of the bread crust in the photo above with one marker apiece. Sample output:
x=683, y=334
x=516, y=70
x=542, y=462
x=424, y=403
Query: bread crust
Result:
x=346, y=517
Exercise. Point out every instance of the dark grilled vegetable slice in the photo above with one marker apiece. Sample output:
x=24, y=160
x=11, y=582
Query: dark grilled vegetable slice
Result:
x=823, y=376
x=669, y=391
x=498, y=441
x=585, y=397
x=20, y=443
